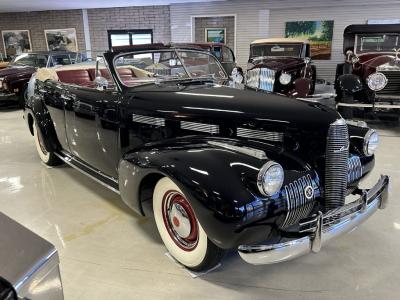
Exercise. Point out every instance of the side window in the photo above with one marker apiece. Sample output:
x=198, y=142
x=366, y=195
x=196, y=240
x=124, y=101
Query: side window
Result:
x=41, y=61
x=227, y=54
x=217, y=52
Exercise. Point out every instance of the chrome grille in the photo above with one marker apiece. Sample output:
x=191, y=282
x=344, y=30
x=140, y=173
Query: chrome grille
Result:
x=354, y=168
x=267, y=79
x=259, y=134
x=336, y=164
x=298, y=206
x=262, y=78
x=393, y=85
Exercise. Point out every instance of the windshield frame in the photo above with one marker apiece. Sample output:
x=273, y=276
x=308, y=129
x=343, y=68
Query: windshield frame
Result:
x=13, y=63
x=374, y=34
x=176, y=50
x=300, y=54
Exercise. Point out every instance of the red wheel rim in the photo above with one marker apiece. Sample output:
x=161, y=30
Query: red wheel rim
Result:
x=180, y=220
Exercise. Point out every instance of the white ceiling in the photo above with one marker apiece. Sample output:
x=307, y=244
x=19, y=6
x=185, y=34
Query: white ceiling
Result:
x=36, y=5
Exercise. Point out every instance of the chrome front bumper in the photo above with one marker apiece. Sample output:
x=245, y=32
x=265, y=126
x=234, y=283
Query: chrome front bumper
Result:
x=322, y=228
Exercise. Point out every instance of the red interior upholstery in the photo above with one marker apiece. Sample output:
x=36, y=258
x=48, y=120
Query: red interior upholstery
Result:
x=103, y=72
x=79, y=77
x=86, y=77
x=126, y=75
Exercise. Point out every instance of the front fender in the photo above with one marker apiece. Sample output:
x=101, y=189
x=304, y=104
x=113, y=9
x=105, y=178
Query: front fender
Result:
x=219, y=183
x=350, y=83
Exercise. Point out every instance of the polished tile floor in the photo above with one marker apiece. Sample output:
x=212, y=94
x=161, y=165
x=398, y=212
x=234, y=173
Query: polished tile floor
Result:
x=108, y=252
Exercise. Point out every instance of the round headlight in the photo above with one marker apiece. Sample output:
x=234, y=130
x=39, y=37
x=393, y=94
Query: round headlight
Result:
x=371, y=141
x=285, y=78
x=270, y=178
x=377, y=81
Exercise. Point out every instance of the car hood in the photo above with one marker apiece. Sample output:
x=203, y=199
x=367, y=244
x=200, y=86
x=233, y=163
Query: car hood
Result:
x=217, y=103
x=16, y=70
x=278, y=63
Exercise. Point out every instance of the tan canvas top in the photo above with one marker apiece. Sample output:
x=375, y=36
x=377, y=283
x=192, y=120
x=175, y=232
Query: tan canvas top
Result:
x=280, y=40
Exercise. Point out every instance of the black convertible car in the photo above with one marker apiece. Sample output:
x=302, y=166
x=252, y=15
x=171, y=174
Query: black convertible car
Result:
x=223, y=168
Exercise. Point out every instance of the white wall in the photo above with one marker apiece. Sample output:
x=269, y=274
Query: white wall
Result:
x=246, y=32
x=342, y=15
x=266, y=18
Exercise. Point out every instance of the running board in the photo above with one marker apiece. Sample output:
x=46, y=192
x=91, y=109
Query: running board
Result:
x=388, y=106
x=106, y=181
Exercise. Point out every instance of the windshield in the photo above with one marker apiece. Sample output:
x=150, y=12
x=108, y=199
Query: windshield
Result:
x=33, y=60
x=165, y=65
x=293, y=50
x=377, y=42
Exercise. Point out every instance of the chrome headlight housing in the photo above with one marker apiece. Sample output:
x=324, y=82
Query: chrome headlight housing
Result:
x=270, y=178
x=377, y=81
x=285, y=78
x=371, y=141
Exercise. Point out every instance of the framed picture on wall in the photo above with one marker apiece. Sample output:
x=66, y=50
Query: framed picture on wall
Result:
x=215, y=35
x=61, y=39
x=319, y=34
x=16, y=42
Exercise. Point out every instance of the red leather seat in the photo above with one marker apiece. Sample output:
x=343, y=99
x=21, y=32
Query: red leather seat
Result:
x=127, y=75
x=79, y=77
x=103, y=73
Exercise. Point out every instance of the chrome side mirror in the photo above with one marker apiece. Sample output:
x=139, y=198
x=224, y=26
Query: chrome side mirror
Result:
x=101, y=83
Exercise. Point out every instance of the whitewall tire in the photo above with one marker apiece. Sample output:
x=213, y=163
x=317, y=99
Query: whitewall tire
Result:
x=180, y=230
x=49, y=158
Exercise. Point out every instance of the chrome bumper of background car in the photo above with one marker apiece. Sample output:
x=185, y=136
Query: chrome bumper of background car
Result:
x=7, y=96
x=325, y=227
x=368, y=105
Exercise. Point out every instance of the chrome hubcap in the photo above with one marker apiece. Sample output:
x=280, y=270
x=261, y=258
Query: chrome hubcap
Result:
x=179, y=220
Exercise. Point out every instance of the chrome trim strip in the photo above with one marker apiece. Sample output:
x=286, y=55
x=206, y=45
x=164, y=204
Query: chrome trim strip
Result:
x=148, y=120
x=207, y=128
x=376, y=105
x=244, y=150
x=373, y=199
x=67, y=159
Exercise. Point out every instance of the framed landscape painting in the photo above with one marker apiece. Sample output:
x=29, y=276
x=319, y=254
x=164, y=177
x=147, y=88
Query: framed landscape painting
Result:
x=319, y=33
x=216, y=35
x=61, y=39
x=16, y=42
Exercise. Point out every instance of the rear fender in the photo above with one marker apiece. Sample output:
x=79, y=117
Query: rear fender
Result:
x=45, y=125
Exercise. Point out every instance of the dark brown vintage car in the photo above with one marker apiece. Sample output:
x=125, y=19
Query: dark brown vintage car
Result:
x=369, y=79
x=276, y=65
x=14, y=78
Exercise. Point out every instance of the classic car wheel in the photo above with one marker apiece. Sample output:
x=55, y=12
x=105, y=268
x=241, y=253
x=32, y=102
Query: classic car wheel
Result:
x=49, y=158
x=180, y=230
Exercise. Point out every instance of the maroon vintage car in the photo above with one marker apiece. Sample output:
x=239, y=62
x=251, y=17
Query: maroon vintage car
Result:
x=14, y=78
x=277, y=65
x=369, y=79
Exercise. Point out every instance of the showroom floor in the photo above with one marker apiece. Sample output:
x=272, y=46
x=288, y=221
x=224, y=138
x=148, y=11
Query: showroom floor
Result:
x=108, y=252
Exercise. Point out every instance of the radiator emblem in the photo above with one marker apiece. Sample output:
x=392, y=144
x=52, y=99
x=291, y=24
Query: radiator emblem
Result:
x=309, y=192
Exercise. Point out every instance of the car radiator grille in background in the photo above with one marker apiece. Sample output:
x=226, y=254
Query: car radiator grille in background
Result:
x=336, y=164
x=261, y=78
x=393, y=85
x=298, y=205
